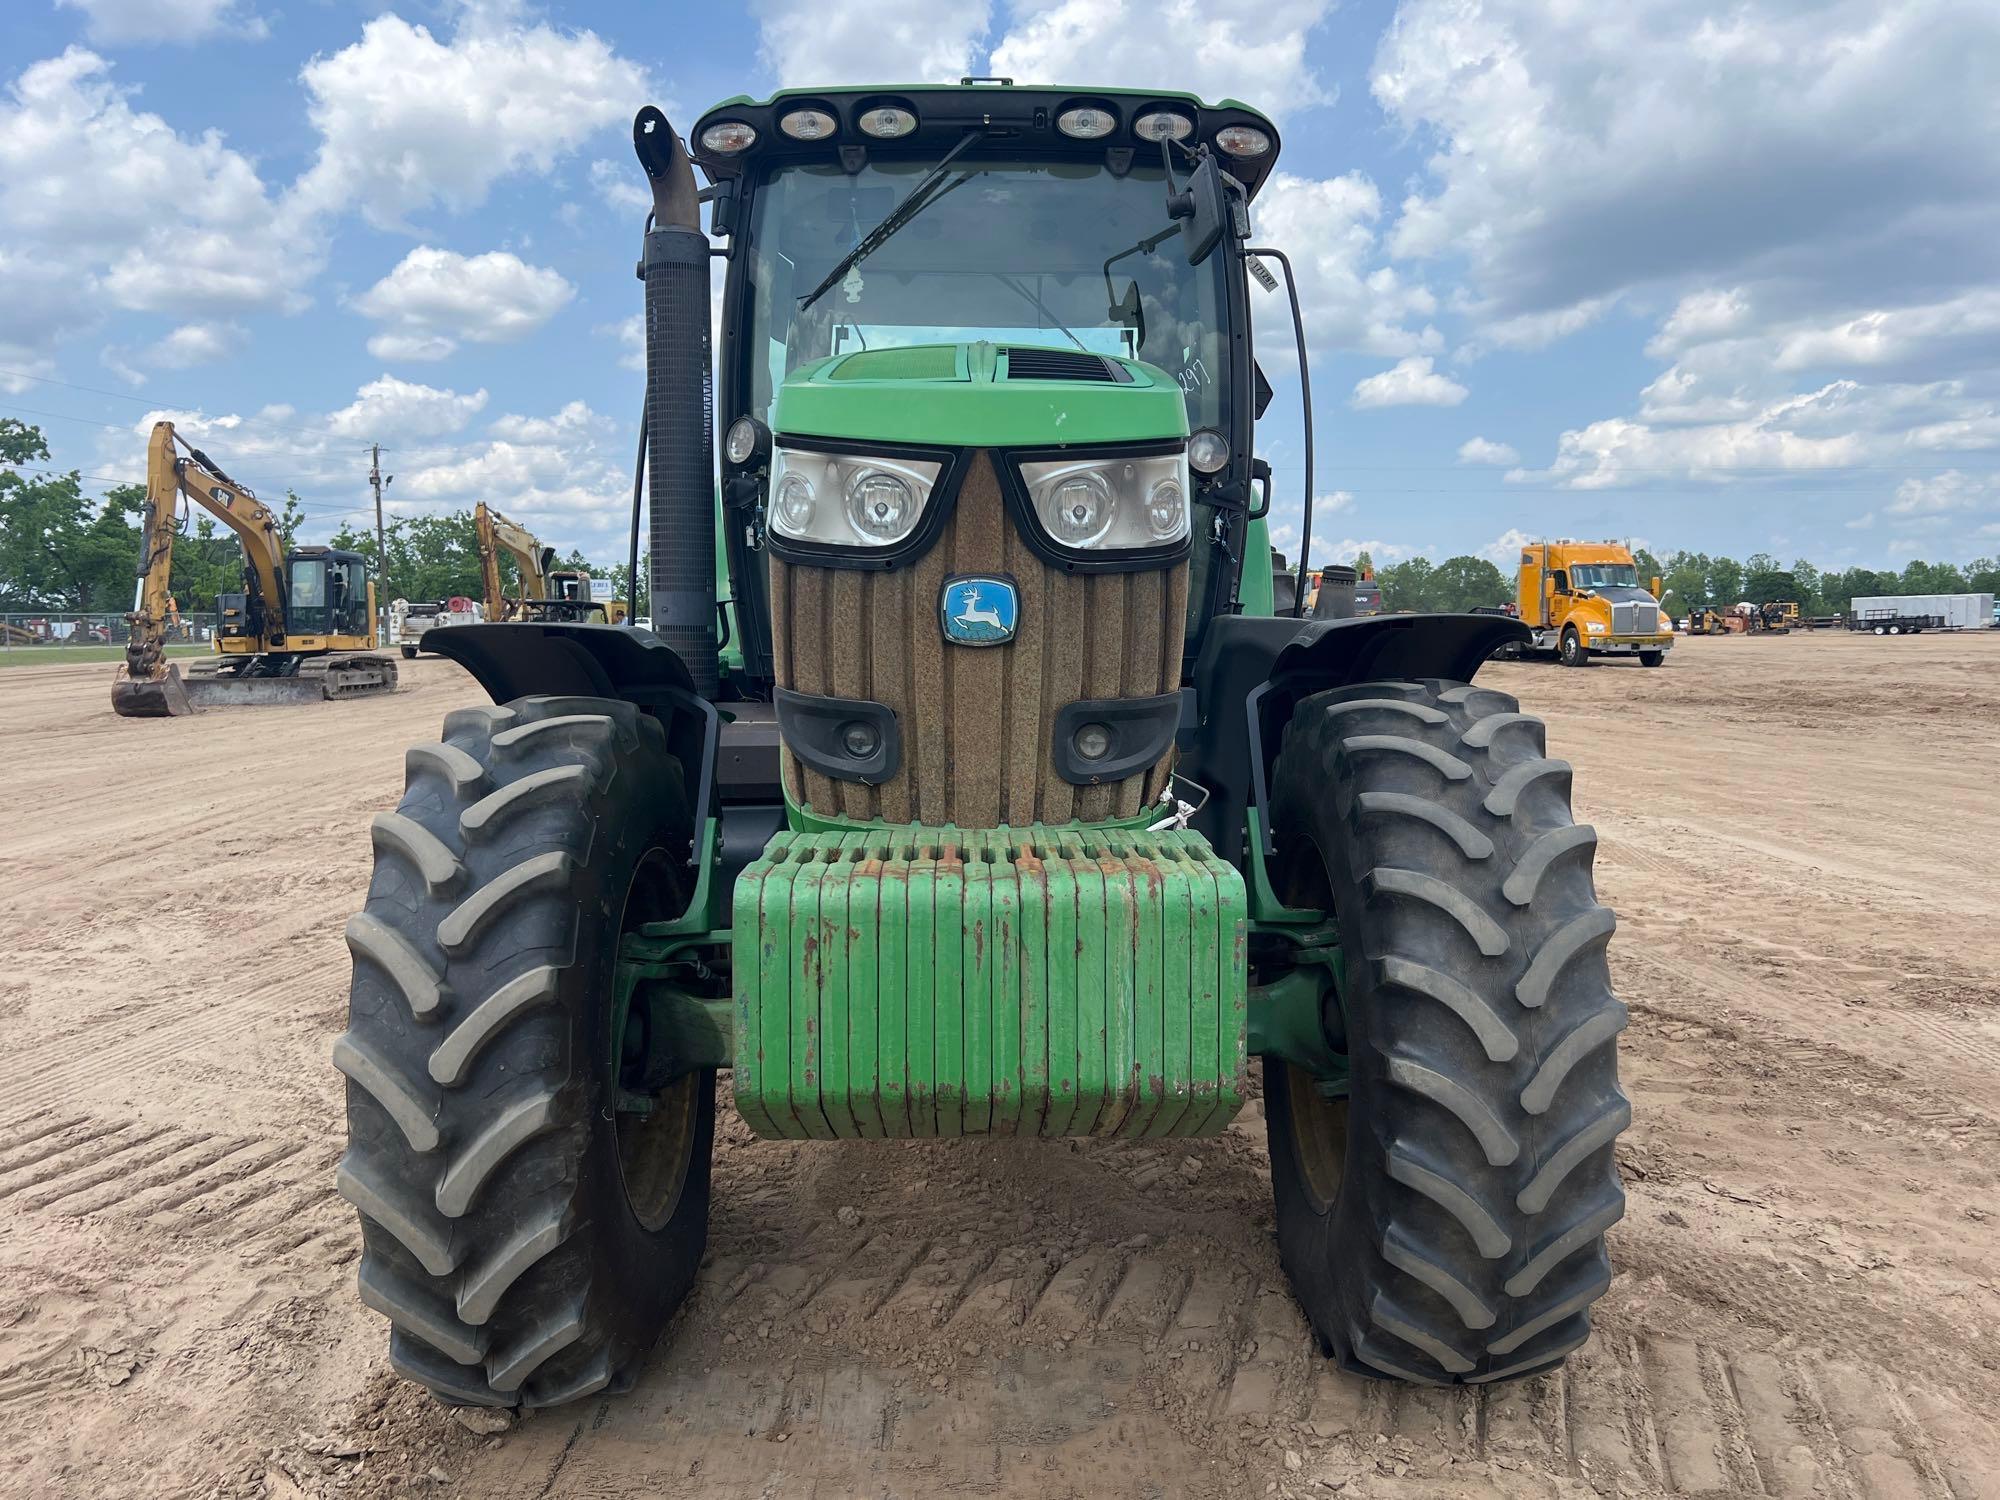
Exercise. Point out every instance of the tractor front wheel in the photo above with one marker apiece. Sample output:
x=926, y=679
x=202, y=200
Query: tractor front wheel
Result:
x=1441, y=1211
x=527, y=1226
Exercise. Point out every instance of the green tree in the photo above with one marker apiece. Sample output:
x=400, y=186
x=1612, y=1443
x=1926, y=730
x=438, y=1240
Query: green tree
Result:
x=1982, y=575
x=1764, y=581
x=1725, y=580
x=1931, y=578
x=1407, y=585
x=1806, y=576
x=59, y=549
x=1686, y=580
x=1464, y=583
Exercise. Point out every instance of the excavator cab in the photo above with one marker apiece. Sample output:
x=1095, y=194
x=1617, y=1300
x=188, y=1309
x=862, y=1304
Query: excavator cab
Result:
x=327, y=593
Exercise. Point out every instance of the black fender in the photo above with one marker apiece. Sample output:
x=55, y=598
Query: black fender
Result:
x=1254, y=669
x=513, y=659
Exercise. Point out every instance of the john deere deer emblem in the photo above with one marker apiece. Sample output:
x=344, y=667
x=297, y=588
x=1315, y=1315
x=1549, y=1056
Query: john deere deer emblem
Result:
x=978, y=609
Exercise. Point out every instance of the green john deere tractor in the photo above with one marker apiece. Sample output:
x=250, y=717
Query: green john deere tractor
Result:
x=967, y=784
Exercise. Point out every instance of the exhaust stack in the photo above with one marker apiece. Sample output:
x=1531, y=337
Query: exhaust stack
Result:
x=680, y=423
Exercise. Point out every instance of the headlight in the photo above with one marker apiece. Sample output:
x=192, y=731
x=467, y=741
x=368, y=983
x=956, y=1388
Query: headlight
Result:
x=1110, y=504
x=848, y=500
x=1595, y=627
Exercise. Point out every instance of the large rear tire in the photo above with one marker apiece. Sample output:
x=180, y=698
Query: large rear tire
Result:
x=526, y=1231
x=1444, y=1222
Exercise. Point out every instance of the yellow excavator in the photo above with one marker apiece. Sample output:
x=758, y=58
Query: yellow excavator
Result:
x=548, y=593
x=300, y=632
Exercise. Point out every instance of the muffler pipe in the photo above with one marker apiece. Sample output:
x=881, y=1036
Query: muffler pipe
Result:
x=680, y=421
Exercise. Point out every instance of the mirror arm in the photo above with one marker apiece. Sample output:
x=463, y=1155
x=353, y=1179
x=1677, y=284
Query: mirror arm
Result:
x=1305, y=401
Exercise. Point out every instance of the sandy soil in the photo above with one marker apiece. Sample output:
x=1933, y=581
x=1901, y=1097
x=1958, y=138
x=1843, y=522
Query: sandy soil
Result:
x=1798, y=835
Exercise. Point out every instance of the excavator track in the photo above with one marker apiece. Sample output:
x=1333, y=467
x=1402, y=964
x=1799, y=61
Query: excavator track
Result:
x=341, y=674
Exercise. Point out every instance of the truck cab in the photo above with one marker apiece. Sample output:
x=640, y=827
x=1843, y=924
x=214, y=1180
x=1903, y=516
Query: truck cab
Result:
x=1585, y=599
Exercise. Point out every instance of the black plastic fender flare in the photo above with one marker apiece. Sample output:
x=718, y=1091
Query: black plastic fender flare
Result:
x=511, y=659
x=1254, y=669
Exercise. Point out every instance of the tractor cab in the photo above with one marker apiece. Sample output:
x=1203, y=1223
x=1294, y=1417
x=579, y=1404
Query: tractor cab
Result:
x=986, y=270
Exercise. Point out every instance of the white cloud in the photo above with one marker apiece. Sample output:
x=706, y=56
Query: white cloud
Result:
x=574, y=420
x=435, y=298
x=1219, y=49
x=407, y=121
x=1940, y=495
x=1350, y=299
x=1504, y=551
x=181, y=348
x=1479, y=450
x=617, y=183
x=197, y=344
x=1410, y=382
x=1285, y=529
x=566, y=475
x=1586, y=150
x=389, y=409
x=868, y=41
x=114, y=22
x=631, y=336
x=1379, y=552
x=104, y=206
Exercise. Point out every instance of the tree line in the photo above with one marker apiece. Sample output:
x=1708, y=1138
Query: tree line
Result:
x=62, y=550
x=1689, y=580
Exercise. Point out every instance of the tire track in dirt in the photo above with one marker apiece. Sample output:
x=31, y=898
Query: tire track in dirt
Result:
x=1077, y=1346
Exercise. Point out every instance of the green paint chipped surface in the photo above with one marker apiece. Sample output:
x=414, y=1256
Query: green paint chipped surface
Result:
x=1012, y=981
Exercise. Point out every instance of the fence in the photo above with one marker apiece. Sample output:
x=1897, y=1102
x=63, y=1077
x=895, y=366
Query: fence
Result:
x=54, y=631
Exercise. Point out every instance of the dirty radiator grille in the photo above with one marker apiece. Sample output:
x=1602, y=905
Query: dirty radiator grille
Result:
x=976, y=721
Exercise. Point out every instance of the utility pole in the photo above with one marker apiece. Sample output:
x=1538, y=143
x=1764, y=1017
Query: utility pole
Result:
x=381, y=546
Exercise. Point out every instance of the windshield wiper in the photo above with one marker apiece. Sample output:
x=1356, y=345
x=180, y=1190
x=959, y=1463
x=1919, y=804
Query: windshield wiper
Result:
x=918, y=200
x=1040, y=306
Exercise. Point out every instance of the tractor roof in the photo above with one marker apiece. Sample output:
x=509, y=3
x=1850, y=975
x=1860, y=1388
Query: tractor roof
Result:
x=1022, y=118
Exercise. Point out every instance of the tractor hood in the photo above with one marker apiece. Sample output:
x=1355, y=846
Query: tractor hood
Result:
x=980, y=395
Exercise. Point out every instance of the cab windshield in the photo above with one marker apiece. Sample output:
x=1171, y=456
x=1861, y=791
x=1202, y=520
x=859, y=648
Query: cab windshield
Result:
x=1604, y=575
x=1051, y=253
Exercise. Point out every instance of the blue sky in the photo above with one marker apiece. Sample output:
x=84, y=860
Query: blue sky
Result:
x=1710, y=275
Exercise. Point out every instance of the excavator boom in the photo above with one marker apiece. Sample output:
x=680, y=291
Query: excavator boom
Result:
x=495, y=534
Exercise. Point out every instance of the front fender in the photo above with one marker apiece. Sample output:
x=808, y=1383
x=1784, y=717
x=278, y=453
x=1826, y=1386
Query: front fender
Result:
x=511, y=659
x=1253, y=670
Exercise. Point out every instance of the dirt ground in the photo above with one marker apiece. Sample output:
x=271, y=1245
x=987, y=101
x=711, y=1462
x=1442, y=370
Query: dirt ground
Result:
x=1799, y=836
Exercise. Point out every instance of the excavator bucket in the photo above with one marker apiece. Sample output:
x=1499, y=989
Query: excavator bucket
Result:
x=161, y=697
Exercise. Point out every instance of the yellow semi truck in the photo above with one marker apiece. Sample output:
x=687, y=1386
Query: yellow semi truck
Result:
x=1585, y=599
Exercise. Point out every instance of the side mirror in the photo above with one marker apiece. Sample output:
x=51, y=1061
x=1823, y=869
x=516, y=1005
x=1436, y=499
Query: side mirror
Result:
x=1656, y=588
x=1203, y=209
x=1129, y=311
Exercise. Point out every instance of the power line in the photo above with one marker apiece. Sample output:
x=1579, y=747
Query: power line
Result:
x=70, y=385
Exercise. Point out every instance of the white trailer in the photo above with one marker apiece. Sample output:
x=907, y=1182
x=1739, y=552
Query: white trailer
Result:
x=1958, y=611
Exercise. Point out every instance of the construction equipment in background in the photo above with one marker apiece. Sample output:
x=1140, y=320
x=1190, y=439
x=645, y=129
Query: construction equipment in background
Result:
x=1770, y=618
x=301, y=631
x=1705, y=619
x=548, y=594
x=1584, y=599
x=1006, y=807
x=408, y=622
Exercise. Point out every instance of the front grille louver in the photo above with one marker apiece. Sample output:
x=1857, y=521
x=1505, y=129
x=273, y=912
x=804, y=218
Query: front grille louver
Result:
x=1061, y=364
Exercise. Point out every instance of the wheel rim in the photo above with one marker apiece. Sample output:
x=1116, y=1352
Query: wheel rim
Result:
x=1319, y=1138
x=656, y=1145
